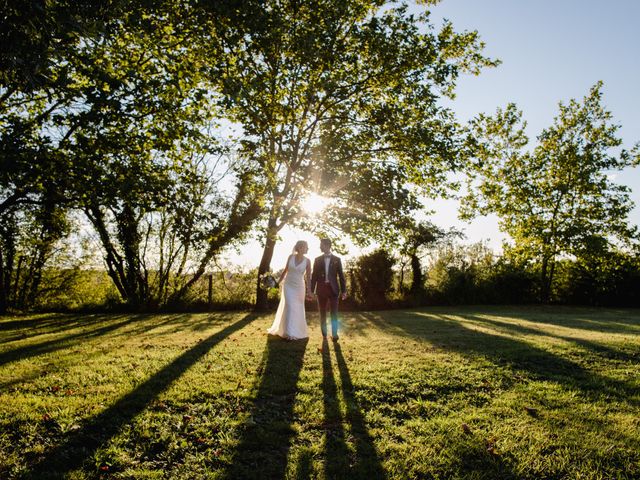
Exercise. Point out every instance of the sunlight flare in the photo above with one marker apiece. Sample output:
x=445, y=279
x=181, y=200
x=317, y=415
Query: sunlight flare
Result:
x=315, y=204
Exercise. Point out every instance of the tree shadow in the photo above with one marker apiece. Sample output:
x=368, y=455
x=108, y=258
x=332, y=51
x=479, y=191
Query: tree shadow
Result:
x=136, y=325
x=80, y=445
x=168, y=324
x=49, y=324
x=65, y=341
x=583, y=318
x=603, y=351
x=446, y=332
x=39, y=321
x=265, y=442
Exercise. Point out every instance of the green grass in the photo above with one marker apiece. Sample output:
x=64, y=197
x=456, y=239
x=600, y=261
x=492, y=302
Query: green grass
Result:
x=476, y=392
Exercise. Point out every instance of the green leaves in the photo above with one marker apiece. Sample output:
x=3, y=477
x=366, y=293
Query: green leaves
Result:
x=555, y=199
x=341, y=98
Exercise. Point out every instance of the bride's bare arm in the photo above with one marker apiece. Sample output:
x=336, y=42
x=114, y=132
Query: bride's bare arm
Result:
x=284, y=272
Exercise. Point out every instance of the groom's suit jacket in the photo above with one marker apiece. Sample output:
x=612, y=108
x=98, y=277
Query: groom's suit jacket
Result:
x=335, y=274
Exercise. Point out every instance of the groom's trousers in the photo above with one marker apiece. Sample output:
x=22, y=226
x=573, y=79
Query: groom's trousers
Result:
x=327, y=296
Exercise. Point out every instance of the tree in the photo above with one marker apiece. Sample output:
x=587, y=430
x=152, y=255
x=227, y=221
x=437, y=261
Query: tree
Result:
x=32, y=207
x=456, y=272
x=557, y=199
x=416, y=236
x=340, y=98
x=119, y=128
x=372, y=278
x=34, y=34
x=27, y=239
x=136, y=140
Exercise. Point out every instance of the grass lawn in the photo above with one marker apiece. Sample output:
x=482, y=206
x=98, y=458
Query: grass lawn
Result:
x=468, y=392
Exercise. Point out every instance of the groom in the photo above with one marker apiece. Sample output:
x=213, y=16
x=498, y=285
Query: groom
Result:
x=327, y=272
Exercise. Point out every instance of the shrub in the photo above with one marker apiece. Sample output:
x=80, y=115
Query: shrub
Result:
x=371, y=279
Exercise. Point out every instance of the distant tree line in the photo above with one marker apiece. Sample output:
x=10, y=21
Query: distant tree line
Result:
x=458, y=274
x=450, y=273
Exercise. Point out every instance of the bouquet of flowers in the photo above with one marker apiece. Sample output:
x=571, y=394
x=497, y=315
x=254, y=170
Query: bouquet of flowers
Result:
x=267, y=281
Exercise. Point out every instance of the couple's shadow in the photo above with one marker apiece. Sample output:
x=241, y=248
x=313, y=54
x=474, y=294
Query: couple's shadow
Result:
x=263, y=450
x=352, y=454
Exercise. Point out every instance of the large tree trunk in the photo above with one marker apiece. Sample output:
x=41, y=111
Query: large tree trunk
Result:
x=129, y=236
x=3, y=292
x=401, y=288
x=14, y=292
x=552, y=269
x=50, y=232
x=265, y=266
x=417, y=279
x=124, y=269
x=545, y=281
x=7, y=259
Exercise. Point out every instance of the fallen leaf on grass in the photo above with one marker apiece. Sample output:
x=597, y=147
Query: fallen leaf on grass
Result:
x=491, y=447
x=531, y=411
x=466, y=428
x=160, y=406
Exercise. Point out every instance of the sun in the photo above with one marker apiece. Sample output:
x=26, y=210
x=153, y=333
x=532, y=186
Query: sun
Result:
x=315, y=204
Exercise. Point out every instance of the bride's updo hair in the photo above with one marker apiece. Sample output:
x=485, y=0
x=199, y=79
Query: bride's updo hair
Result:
x=300, y=244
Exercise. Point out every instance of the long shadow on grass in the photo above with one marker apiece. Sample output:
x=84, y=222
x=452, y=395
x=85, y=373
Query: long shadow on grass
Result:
x=448, y=333
x=582, y=318
x=48, y=325
x=136, y=325
x=264, y=446
x=340, y=463
x=336, y=452
x=40, y=321
x=48, y=346
x=77, y=447
x=603, y=351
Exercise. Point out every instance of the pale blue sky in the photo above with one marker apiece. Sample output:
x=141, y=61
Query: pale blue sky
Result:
x=551, y=51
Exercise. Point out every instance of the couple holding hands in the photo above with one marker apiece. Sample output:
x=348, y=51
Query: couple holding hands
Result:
x=325, y=282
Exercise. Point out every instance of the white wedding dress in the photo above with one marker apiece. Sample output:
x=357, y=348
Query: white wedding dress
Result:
x=291, y=320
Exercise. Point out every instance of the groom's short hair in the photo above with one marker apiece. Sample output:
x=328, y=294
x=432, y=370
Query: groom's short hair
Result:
x=325, y=241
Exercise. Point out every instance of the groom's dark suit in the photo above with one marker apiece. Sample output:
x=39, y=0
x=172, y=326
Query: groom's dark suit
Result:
x=327, y=281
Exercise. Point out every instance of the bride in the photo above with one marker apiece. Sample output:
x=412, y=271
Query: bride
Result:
x=290, y=321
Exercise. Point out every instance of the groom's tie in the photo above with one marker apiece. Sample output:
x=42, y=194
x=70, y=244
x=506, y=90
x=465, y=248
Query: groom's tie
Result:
x=327, y=256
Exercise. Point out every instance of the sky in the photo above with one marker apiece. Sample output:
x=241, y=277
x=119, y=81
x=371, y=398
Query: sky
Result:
x=551, y=51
